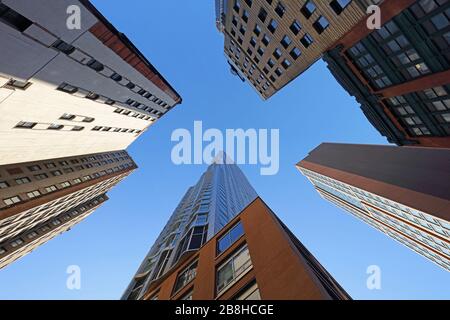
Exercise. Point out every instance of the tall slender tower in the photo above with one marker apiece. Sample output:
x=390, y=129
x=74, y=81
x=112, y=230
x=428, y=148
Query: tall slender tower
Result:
x=401, y=191
x=221, y=193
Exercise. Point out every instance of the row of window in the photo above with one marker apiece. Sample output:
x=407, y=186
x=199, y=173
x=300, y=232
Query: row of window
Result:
x=105, y=71
x=36, y=193
x=65, y=87
x=18, y=242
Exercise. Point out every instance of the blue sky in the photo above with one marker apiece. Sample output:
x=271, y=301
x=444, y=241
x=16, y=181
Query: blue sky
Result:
x=180, y=39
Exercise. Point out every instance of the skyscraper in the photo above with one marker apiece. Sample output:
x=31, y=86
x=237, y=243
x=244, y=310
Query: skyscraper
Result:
x=72, y=90
x=401, y=191
x=221, y=193
x=254, y=257
x=270, y=43
x=400, y=74
x=41, y=199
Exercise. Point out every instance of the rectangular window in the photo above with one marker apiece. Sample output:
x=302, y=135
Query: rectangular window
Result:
x=262, y=15
x=308, y=9
x=185, y=277
x=321, y=24
x=296, y=27
x=67, y=88
x=17, y=242
x=25, y=125
x=63, y=47
x=280, y=9
x=233, y=269
x=273, y=25
x=286, y=41
x=14, y=19
x=51, y=189
x=4, y=185
x=23, y=180
x=230, y=238
x=22, y=85
x=12, y=200
x=295, y=53
x=95, y=65
x=339, y=5
x=33, y=194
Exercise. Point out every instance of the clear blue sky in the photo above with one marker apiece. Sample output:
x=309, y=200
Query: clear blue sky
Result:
x=181, y=40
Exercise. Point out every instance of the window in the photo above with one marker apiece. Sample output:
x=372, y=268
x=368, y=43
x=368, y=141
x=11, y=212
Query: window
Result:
x=23, y=180
x=51, y=189
x=229, y=238
x=339, y=5
x=13, y=18
x=295, y=53
x=17, y=242
x=188, y=296
x=32, y=235
x=271, y=63
x=22, y=85
x=237, y=5
x=286, y=41
x=65, y=184
x=92, y=96
x=253, y=42
x=249, y=3
x=257, y=30
x=34, y=168
x=95, y=65
x=261, y=51
x=25, y=125
x=280, y=9
x=262, y=15
x=77, y=128
x=245, y=16
x=279, y=72
x=295, y=27
x=12, y=200
x=308, y=9
x=321, y=24
x=50, y=165
x=277, y=53
x=33, y=194
x=185, y=277
x=67, y=88
x=2, y=250
x=67, y=116
x=266, y=40
x=286, y=64
x=250, y=292
x=116, y=77
x=63, y=47
x=55, y=126
x=56, y=173
x=233, y=269
x=4, y=185
x=273, y=25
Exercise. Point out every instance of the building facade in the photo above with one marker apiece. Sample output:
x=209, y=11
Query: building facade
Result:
x=401, y=191
x=400, y=74
x=270, y=43
x=254, y=257
x=220, y=194
x=68, y=91
x=41, y=199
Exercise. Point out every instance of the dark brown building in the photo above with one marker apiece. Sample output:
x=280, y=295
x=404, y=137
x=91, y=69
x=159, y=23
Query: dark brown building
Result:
x=400, y=74
x=253, y=257
x=401, y=191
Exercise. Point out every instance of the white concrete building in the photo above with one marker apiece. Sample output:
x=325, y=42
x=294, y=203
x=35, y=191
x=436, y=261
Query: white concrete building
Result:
x=70, y=92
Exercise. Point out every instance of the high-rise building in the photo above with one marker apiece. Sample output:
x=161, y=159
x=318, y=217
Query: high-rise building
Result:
x=401, y=191
x=221, y=193
x=254, y=257
x=41, y=199
x=270, y=43
x=400, y=74
x=69, y=89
